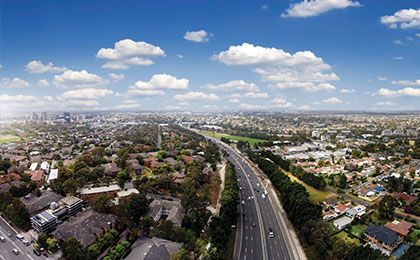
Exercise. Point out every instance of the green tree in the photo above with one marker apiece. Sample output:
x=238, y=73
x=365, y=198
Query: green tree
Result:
x=42, y=240
x=73, y=250
x=102, y=203
x=343, y=181
x=51, y=243
x=387, y=206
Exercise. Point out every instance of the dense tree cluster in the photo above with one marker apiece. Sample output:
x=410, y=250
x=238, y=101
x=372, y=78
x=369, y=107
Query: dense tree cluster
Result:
x=131, y=209
x=318, y=182
x=119, y=252
x=219, y=228
x=399, y=185
x=73, y=250
x=193, y=200
x=95, y=249
x=14, y=210
x=387, y=206
x=4, y=165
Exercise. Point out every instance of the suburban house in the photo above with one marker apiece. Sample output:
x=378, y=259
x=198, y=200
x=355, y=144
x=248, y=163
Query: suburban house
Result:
x=402, y=228
x=382, y=237
x=151, y=162
x=342, y=222
x=134, y=166
x=35, y=204
x=111, y=169
x=37, y=176
x=86, y=193
x=53, y=175
x=152, y=248
x=356, y=212
x=85, y=226
x=171, y=210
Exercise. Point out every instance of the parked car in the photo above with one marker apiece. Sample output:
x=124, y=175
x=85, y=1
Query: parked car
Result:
x=36, y=251
x=26, y=242
x=15, y=251
x=19, y=236
x=2, y=239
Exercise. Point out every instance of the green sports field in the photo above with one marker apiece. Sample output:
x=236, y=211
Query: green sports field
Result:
x=9, y=139
x=217, y=135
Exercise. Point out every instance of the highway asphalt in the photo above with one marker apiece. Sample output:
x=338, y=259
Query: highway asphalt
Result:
x=257, y=216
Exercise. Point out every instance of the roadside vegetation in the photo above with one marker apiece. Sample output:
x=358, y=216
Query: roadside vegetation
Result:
x=220, y=228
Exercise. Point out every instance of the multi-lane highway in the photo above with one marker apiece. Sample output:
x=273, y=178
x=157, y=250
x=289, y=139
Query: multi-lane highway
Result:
x=258, y=217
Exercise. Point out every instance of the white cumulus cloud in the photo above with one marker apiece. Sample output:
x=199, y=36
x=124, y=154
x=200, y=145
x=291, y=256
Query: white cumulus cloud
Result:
x=234, y=85
x=78, y=79
x=86, y=93
x=197, y=36
x=162, y=81
x=410, y=92
x=128, y=52
x=25, y=102
x=308, y=8
x=196, y=96
x=38, y=67
x=332, y=101
x=301, y=70
x=347, y=91
x=13, y=83
x=116, y=77
x=407, y=82
x=404, y=19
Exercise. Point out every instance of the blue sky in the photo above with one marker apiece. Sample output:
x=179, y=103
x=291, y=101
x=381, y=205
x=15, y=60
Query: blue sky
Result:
x=210, y=55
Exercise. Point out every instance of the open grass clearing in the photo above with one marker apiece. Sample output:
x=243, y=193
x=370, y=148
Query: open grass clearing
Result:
x=314, y=194
x=8, y=138
x=217, y=135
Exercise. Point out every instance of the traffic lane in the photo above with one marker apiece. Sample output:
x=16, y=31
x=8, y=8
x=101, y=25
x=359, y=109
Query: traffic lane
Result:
x=10, y=235
x=251, y=242
x=251, y=245
x=269, y=220
x=10, y=244
x=276, y=246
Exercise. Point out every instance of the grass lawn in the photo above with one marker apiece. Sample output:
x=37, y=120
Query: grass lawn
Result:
x=357, y=230
x=217, y=135
x=314, y=194
x=9, y=138
x=343, y=235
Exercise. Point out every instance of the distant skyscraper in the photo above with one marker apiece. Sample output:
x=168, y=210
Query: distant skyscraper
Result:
x=67, y=117
x=44, y=116
x=34, y=116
